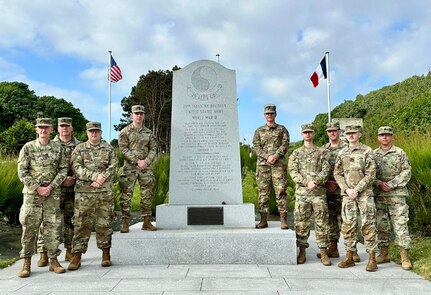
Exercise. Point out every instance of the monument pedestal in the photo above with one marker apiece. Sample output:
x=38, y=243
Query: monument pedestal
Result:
x=208, y=245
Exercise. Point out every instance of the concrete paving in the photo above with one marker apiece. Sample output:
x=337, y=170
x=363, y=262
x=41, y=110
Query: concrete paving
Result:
x=309, y=278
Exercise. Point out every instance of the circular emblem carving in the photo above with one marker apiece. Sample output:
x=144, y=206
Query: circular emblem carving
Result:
x=204, y=79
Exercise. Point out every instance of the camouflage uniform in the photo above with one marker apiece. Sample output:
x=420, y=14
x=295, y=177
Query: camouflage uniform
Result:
x=137, y=144
x=41, y=165
x=393, y=167
x=93, y=204
x=355, y=168
x=67, y=199
x=271, y=140
x=305, y=165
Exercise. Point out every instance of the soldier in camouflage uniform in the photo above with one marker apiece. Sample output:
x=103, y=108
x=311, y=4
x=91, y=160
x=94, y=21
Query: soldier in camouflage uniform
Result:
x=309, y=168
x=355, y=172
x=42, y=168
x=393, y=174
x=95, y=165
x=270, y=143
x=139, y=148
x=67, y=198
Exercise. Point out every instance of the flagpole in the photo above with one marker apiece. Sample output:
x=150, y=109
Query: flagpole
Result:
x=109, y=101
x=328, y=84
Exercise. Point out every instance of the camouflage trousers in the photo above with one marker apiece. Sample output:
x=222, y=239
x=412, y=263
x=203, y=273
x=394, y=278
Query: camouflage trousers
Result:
x=93, y=208
x=334, y=209
x=67, y=200
x=367, y=213
x=392, y=210
x=37, y=211
x=127, y=182
x=308, y=208
x=267, y=176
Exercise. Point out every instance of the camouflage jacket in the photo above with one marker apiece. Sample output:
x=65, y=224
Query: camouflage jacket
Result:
x=393, y=167
x=41, y=165
x=332, y=153
x=68, y=147
x=88, y=161
x=137, y=144
x=309, y=164
x=355, y=168
x=268, y=141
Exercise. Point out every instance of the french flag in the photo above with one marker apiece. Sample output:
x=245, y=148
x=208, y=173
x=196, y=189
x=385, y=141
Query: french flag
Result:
x=319, y=73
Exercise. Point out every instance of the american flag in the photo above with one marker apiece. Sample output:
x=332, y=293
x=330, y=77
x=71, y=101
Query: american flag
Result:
x=115, y=71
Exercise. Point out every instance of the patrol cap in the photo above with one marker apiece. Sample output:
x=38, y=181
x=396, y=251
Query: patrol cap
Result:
x=353, y=129
x=138, y=109
x=385, y=130
x=333, y=126
x=64, y=121
x=94, y=126
x=43, y=122
x=307, y=128
x=269, y=109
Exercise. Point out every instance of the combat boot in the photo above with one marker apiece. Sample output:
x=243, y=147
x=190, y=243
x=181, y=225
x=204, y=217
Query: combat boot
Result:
x=372, y=264
x=383, y=257
x=25, y=271
x=324, y=257
x=55, y=266
x=356, y=257
x=147, y=224
x=301, y=256
x=263, y=221
x=106, y=257
x=283, y=221
x=332, y=250
x=68, y=256
x=124, y=226
x=76, y=261
x=405, y=260
x=348, y=262
x=43, y=259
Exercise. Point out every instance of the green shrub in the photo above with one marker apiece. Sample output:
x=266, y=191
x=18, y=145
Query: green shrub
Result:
x=10, y=189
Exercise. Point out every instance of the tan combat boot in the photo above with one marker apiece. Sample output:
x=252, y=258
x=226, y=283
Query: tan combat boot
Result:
x=301, y=256
x=147, y=224
x=55, y=266
x=405, y=260
x=356, y=257
x=68, y=256
x=263, y=221
x=43, y=259
x=332, y=250
x=106, y=257
x=383, y=257
x=25, y=271
x=124, y=226
x=76, y=261
x=348, y=262
x=324, y=257
x=283, y=221
x=372, y=264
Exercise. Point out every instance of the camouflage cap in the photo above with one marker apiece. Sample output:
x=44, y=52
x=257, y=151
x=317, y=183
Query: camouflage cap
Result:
x=43, y=122
x=333, y=126
x=269, y=109
x=138, y=109
x=93, y=126
x=385, y=130
x=353, y=129
x=307, y=128
x=65, y=121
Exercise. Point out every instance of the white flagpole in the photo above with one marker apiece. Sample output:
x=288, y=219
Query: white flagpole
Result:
x=328, y=84
x=109, y=114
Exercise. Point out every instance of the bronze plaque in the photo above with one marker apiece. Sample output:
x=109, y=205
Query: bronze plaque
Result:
x=205, y=216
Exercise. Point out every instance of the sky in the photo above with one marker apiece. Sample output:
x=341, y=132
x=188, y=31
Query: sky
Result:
x=60, y=48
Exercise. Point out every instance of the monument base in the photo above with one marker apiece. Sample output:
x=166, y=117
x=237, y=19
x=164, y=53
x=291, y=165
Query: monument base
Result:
x=187, y=216
x=205, y=246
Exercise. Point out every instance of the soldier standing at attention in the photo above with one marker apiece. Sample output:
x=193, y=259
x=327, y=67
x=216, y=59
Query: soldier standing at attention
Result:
x=270, y=143
x=42, y=168
x=67, y=198
x=355, y=172
x=393, y=174
x=95, y=165
x=139, y=148
x=309, y=168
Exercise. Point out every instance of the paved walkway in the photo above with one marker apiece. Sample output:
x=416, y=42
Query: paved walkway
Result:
x=309, y=278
